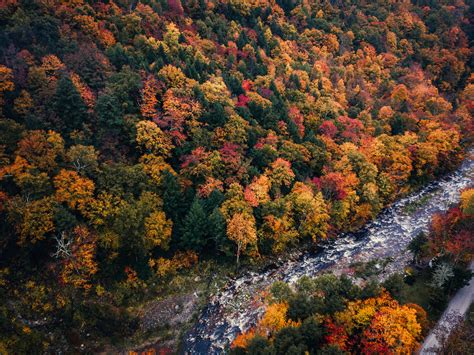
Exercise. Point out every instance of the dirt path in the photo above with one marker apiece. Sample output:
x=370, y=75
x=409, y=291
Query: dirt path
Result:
x=459, y=304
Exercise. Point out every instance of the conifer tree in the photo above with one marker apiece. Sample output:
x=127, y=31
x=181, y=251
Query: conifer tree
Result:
x=69, y=106
x=195, y=227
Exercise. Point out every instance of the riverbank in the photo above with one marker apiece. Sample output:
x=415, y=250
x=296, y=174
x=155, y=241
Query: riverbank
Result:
x=235, y=308
x=225, y=299
x=438, y=269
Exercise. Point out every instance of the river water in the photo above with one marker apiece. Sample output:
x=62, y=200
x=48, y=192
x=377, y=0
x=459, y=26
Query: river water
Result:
x=235, y=308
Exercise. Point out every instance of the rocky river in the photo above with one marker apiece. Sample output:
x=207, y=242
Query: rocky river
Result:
x=236, y=307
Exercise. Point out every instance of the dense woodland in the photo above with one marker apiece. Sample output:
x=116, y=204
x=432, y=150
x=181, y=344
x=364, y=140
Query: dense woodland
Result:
x=138, y=138
x=333, y=315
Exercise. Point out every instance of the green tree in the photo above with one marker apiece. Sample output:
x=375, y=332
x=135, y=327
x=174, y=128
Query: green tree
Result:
x=195, y=227
x=173, y=199
x=217, y=227
x=69, y=106
x=418, y=246
x=109, y=111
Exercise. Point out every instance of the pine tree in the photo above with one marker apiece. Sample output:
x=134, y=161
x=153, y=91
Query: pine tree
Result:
x=195, y=227
x=69, y=106
x=109, y=111
x=172, y=197
x=214, y=200
x=217, y=226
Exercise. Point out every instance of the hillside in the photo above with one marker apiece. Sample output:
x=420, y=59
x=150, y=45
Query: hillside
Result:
x=142, y=139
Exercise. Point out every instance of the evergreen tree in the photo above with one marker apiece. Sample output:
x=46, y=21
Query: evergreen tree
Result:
x=109, y=111
x=195, y=227
x=213, y=201
x=69, y=106
x=172, y=197
x=217, y=226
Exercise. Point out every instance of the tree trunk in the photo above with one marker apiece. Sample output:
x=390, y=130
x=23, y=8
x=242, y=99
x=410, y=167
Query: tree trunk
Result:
x=238, y=254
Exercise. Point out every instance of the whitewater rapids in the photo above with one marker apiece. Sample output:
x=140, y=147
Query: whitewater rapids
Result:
x=234, y=308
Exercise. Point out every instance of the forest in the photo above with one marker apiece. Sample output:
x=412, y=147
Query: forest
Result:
x=140, y=140
x=334, y=315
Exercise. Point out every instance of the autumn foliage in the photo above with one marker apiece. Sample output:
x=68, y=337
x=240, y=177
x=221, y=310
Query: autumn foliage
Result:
x=272, y=321
x=452, y=232
x=376, y=325
x=349, y=322
x=224, y=129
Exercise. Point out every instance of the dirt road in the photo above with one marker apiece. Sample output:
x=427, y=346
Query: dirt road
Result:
x=458, y=305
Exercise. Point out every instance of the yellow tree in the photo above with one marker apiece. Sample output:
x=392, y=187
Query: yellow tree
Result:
x=235, y=202
x=20, y=170
x=83, y=157
x=274, y=319
x=280, y=229
x=23, y=104
x=6, y=79
x=173, y=77
x=241, y=230
x=36, y=220
x=467, y=202
x=155, y=166
x=393, y=329
x=157, y=230
x=51, y=65
x=310, y=211
x=280, y=173
x=102, y=210
x=215, y=90
x=153, y=139
x=73, y=189
x=385, y=325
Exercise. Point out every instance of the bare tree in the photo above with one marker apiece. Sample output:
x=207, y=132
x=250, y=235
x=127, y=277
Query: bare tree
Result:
x=63, y=246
